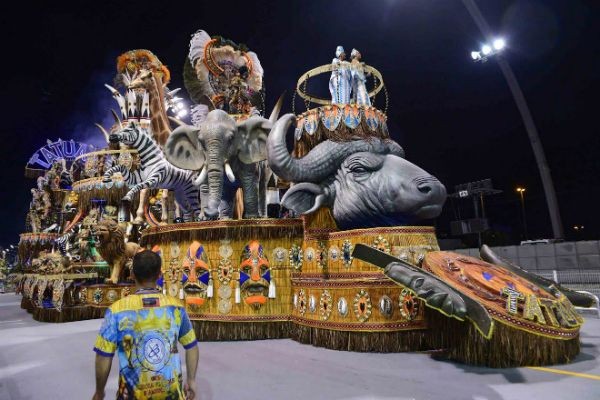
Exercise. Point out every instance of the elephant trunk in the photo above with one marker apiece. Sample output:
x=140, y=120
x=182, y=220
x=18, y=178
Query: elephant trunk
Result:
x=214, y=166
x=249, y=184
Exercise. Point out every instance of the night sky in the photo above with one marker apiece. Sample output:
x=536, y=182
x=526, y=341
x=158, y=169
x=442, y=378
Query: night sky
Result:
x=455, y=118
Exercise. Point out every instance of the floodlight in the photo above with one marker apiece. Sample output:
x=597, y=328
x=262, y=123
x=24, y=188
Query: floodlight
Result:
x=499, y=44
x=486, y=50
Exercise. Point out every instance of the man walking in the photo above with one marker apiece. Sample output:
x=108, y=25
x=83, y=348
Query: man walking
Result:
x=144, y=329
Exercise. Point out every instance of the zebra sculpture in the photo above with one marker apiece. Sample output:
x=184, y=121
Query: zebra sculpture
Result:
x=64, y=243
x=155, y=172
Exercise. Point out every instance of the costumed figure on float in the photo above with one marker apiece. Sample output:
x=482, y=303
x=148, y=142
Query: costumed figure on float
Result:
x=340, y=82
x=359, y=79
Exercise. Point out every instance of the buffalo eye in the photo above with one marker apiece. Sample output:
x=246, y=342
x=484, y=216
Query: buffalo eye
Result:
x=361, y=165
x=359, y=169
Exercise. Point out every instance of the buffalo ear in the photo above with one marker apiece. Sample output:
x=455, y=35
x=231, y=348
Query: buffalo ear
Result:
x=183, y=149
x=305, y=198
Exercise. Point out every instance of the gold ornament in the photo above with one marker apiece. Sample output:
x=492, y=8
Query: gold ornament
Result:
x=325, y=305
x=382, y=244
x=362, y=305
x=301, y=302
x=409, y=305
x=224, y=271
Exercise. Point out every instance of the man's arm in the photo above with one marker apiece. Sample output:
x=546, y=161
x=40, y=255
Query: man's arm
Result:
x=105, y=346
x=103, y=365
x=187, y=338
x=191, y=364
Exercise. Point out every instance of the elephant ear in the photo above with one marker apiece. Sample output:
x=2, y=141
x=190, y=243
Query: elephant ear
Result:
x=250, y=140
x=183, y=149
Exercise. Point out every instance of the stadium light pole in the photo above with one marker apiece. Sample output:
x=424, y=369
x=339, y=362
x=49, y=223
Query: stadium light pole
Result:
x=534, y=138
x=521, y=191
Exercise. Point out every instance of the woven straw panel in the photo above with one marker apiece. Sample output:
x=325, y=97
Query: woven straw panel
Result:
x=232, y=235
x=327, y=265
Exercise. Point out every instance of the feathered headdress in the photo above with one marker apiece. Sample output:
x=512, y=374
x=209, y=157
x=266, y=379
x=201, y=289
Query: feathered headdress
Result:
x=210, y=57
x=134, y=60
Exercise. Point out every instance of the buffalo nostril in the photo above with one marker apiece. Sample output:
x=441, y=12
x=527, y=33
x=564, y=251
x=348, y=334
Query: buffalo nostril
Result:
x=424, y=188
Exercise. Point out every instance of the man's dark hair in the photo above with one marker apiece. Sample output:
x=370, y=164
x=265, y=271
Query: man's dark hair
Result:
x=146, y=266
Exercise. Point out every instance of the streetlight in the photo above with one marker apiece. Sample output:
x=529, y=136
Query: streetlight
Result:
x=521, y=191
x=534, y=138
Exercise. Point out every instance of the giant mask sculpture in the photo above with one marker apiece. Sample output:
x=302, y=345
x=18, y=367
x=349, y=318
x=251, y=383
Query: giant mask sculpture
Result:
x=221, y=146
x=255, y=275
x=366, y=183
x=196, y=276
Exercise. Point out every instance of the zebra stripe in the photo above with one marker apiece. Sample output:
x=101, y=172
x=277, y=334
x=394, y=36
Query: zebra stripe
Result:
x=155, y=171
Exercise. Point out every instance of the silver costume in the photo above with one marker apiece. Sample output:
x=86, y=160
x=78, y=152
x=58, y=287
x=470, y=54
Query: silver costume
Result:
x=340, y=81
x=360, y=95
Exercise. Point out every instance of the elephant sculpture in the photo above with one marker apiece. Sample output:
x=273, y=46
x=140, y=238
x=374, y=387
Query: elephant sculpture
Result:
x=366, y=183
x=218, y=147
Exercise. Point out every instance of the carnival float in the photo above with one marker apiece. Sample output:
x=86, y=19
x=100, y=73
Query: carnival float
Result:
x=326, y=243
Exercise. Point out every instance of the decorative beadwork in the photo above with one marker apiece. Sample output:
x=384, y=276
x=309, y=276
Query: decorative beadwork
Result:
x=409, y=305
x=301, y=302
x=347, y=258
x=334, y=253
x=382, y=244
x=322, y=255
x=296, y=257
x=362, y=305
x=98, y=296
x=224, y=271
x=325, y=305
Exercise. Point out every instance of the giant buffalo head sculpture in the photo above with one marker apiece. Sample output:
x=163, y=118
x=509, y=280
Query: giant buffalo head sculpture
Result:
x=366, y=183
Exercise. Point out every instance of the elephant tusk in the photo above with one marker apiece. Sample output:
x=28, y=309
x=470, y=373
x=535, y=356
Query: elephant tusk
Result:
x=116, y=117
x=202, y=177
x=104, y=132
x=229, y=172
x=275, y=113
x=114, y=91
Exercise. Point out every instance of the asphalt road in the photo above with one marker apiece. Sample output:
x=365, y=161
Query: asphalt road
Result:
x=55, y=361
